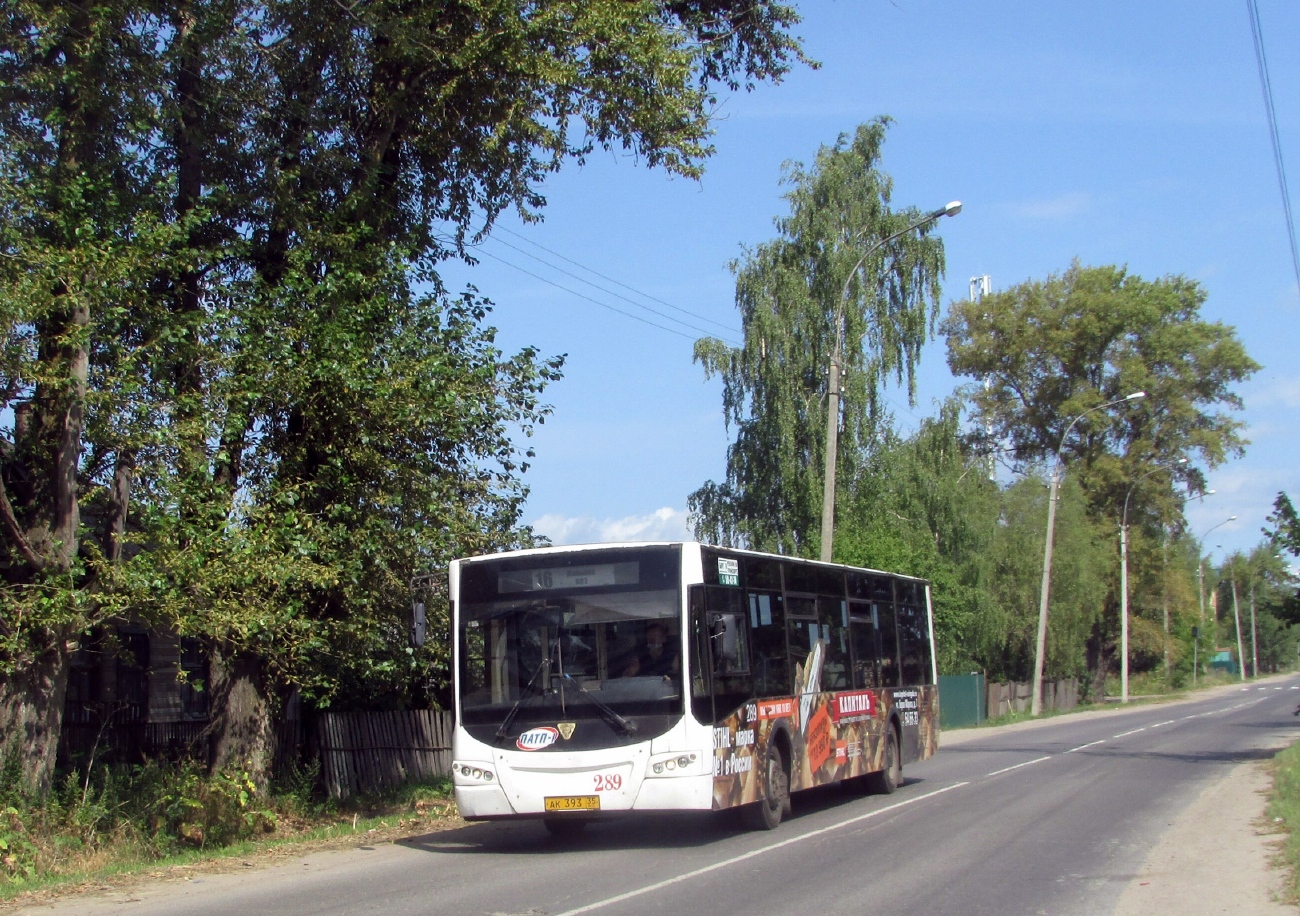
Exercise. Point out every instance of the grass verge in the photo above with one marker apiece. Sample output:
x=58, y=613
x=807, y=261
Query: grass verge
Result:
x=1284, y=811
x=155, y=820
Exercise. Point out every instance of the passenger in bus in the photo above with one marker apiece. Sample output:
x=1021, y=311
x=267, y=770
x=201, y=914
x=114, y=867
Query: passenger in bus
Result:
x=655, y=660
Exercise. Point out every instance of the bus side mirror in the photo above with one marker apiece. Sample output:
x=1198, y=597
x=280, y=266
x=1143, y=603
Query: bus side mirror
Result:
x=419, y=624
x=726, y=645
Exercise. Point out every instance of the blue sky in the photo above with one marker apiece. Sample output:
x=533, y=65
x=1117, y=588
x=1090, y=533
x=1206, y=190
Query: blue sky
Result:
x=1111, y=132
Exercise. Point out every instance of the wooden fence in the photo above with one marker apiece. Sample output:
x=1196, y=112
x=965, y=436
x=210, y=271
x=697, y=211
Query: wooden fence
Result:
x=365, y=751
x=1018, y=695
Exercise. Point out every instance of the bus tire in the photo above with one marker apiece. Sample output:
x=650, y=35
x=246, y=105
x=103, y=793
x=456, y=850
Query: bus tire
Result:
x=766, y=813
x=891, y=777
x=564, y=828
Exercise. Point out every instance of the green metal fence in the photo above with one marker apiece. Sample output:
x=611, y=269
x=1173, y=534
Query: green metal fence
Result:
x=961, y=700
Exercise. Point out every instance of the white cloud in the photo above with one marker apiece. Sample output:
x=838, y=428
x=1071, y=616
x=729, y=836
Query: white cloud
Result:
x=666, y=524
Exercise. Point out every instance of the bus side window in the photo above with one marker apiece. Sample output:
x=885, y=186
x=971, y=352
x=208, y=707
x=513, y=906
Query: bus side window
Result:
x=913, y=638
x=834, y=617
x=728, y=638
x=768, y=664
x=805, y=632
x=726, y=621
x=887, y=631
x=865, y=645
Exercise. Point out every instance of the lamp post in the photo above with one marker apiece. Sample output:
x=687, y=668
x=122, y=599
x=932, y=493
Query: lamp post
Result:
x=833, y=383
x=1200, y=588
x=1123, y=577
x=1165, y=588
x=1036, y=701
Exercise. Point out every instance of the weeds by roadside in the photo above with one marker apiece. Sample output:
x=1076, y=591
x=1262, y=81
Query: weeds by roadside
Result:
x=127, y=818
x=1284, y=811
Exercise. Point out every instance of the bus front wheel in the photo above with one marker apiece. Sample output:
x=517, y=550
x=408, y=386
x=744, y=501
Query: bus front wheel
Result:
x=766, y=813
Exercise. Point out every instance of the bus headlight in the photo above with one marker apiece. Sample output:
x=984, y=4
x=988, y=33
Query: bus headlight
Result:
x=674, y=765
x=470, y=773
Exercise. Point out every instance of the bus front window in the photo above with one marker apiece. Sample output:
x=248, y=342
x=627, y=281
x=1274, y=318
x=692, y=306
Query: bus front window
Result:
x=599, y=647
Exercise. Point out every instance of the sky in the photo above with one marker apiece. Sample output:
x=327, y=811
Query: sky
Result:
x=1108, y=132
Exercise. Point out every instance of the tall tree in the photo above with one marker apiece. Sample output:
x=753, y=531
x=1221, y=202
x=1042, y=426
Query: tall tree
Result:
x=1045, y=351
x=223, y=327
x=790, y=296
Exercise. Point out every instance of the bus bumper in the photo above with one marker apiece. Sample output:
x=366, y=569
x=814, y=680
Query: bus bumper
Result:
x=475, y=802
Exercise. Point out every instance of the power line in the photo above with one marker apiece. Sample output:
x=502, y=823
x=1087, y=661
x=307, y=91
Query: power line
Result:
x=632, y=302
x=1261, y=61
x=604, y=305
x=602, y=276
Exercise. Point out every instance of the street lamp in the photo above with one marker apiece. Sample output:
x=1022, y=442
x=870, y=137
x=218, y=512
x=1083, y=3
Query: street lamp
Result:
x=1036, y=701
x=833, y=383
x=1200, y=588
x=1123, y=577
x=1165, y=577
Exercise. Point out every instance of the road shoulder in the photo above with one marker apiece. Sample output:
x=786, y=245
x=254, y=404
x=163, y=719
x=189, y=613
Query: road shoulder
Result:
x=1215, y=856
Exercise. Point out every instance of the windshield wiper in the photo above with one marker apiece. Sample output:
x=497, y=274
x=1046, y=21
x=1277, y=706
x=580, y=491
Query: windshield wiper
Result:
x=607, y=712
x=528, y=692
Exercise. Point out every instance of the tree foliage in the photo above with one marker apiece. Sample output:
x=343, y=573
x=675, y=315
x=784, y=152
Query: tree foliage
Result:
x=924, y=506
x=789, y=294
x=238, y=400
x=1283, y=529
x=1044, y=352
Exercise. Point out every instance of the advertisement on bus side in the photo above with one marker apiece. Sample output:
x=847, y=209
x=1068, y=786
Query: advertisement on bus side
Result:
x=841, y=735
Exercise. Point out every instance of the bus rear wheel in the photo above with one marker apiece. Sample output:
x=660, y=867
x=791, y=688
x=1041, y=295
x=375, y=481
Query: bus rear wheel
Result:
x=766, y=813
x=891, y=777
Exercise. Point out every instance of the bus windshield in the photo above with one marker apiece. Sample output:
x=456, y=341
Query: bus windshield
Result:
x=591, y=639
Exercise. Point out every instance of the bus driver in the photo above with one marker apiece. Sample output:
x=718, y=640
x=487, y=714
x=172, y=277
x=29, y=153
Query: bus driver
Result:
x=654, y=661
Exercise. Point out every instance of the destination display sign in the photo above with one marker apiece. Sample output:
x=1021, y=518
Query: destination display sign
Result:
x=565, y=577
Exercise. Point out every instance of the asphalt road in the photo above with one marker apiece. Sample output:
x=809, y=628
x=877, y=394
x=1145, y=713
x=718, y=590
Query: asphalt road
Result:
x=1055, y=816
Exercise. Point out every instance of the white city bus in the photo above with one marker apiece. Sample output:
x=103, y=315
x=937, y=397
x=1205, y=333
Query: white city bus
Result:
x=677, y=676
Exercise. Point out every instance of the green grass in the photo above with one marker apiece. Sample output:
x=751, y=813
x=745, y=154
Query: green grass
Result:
x=1153, y=684
x=1284, y=810
x=148, y=819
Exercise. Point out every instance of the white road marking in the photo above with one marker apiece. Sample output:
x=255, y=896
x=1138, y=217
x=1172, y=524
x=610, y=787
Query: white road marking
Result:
x=1133, y=732
x=1017, y=766
x=1082, y=746
x=651, y=888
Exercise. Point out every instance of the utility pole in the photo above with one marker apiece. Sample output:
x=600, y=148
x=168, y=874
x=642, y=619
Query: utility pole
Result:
x=979, y=288
x=1040, y=645
x=1200, y=590
x=1200, y=584
x=1254, y=645
x=1241, y=661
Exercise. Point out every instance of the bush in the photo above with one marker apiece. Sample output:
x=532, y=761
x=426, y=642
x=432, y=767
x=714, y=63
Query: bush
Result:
x=131, y=816
x=150, y=811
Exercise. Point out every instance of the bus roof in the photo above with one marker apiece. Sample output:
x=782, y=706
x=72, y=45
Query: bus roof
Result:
x=623, y=545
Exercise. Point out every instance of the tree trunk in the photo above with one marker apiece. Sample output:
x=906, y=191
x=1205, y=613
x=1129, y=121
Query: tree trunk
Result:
x=31, y=717
x=244, y=711
x=1099, y=662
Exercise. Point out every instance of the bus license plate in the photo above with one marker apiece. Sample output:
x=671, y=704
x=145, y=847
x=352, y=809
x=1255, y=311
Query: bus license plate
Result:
x=573, y=803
